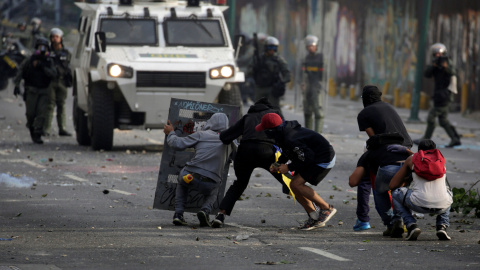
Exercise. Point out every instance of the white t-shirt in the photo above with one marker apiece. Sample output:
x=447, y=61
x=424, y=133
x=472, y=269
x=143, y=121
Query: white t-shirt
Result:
x=430, y=194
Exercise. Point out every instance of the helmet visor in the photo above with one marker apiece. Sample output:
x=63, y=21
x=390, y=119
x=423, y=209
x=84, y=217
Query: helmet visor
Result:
x=271, y=47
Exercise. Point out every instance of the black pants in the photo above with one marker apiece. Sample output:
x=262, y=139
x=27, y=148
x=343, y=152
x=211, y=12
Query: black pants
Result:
x=250, y=155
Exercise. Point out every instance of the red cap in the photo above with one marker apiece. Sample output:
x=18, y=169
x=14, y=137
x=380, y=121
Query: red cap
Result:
x=269, y=120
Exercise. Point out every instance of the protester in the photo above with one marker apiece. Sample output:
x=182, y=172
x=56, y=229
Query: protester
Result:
x=205, y=168
x=422, y=196
x=256, y=150
x=364, y=187
x=385, y=164
x=311, y=157
x=378, y=118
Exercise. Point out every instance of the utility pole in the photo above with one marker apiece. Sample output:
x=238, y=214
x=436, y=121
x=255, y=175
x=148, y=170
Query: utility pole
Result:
x=231, y=18
x=422, y=43
x=57, y=12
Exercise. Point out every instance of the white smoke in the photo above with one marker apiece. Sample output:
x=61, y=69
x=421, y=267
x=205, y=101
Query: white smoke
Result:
x=10, y=181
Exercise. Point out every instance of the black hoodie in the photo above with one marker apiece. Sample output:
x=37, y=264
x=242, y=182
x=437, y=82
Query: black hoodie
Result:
x=302, y=146
x=245, y=127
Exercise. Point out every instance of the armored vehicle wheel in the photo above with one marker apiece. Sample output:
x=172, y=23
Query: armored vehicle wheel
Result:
x=101, y=117
x=230, y=97
x=80, y=122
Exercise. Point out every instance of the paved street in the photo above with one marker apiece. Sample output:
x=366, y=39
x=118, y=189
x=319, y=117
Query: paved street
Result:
x=93, y=209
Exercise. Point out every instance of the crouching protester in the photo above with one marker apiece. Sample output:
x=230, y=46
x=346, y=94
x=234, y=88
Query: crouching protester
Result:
x=428, y=191
x=204, y=171
x=382, y=162
x=311, y=157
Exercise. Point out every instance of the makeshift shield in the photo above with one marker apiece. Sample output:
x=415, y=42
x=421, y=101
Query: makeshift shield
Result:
x=188, y=116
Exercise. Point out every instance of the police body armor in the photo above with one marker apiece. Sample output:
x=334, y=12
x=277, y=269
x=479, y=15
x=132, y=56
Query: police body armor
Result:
x=266, y=71
x=62, y=60
x=313, y=67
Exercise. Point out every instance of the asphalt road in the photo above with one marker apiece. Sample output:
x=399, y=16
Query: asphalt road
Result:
x=93, y=209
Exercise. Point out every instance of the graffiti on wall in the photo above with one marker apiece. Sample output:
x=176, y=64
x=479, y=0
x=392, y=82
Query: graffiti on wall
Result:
x=369, y=43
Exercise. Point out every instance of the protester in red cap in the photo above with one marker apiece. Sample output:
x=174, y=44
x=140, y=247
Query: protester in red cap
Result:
x=311, y=157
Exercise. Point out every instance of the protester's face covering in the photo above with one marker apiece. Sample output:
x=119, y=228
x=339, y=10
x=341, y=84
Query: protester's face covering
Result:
x=370, y=95
x=274, y=133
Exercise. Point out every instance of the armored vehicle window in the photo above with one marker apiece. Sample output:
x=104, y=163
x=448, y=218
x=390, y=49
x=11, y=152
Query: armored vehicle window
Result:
x=130, y=31
x=194, y=33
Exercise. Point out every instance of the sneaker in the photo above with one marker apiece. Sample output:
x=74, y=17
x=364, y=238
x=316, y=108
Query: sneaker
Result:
x=413, y=232
x=204, y=219
x=326, y=214
x=361, y=226
x=178, y=220
x=397, y=229
x=388, y=231
x=218, y=221
x=311, y=224
x=442, y=232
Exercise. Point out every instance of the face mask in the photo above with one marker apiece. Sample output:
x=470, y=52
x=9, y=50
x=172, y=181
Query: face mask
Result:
x=270, y=133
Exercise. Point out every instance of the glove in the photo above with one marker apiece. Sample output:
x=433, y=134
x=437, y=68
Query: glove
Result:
x=396, y=148
x=16, y=91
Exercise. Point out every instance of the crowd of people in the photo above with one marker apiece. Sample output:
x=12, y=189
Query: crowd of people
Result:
x=46, y=76
x=387, y=167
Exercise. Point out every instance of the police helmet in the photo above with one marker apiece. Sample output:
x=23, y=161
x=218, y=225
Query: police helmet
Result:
x=56, y=31
x=438, y=48
x=22, y=24
x=262, y=36
x=311, y=40
x=272, y=41
x=41, y=41
x=35, y=21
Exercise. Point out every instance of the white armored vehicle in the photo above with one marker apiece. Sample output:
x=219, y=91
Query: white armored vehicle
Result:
x=132, y=57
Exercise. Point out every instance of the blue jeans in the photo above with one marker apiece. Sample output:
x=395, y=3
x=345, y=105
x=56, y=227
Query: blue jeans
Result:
x=402, y=203
x=209, y=190
x=363, y=196
x=382, y=198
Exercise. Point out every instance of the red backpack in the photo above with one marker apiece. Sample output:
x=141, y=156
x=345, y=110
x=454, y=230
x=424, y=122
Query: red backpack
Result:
x=429, y=164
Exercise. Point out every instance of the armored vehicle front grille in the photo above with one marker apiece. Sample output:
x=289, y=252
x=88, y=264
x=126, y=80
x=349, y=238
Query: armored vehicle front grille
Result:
x=171, y=79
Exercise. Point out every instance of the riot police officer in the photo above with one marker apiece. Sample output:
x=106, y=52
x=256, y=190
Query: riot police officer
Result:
x=270, y=72
x=313, y=95
x=58, y=87
x=442, y=71
x=37, y=72
x=36, y=31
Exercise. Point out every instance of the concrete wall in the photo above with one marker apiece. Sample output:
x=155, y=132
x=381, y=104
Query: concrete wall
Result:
x=372, y=41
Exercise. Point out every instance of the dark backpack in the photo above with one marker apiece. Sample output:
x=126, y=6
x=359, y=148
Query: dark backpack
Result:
x=429, y=164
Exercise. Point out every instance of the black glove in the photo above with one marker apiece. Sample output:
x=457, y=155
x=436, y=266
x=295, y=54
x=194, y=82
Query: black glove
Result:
x=16, y=91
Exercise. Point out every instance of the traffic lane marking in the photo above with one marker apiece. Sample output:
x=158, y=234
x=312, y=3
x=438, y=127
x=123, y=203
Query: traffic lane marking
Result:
x=71, y=176
x=76, y=178
x=122, y=192
x=325, y=254
x=28, y=162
